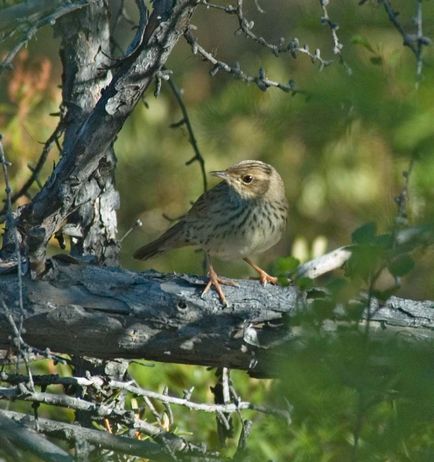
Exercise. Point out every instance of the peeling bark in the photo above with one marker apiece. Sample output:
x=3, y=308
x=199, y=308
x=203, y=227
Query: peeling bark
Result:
x=111, y=313
x=85, y=50
x=83, y=153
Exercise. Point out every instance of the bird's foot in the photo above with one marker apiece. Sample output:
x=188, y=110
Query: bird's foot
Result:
x=265, y=278
x=216, y=282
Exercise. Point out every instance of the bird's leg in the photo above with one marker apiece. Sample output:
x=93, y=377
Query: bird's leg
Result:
x=263, y=276
x=215, y=281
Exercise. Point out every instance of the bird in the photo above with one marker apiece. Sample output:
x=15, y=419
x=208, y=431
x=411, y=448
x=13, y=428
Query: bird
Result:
x=244, y=214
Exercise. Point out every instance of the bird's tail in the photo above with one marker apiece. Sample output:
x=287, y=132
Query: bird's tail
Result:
x=168, y=240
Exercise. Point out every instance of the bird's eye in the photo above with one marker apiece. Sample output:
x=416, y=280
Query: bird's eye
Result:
x=247, y=179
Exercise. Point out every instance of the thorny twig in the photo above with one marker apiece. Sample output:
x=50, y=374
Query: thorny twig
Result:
x=191, y=137
x=98, y=383
x=337, y=44
x=291, y=47
x=120, y=444
x=402, y=198
x=11, y=225
x=22, y=350
x=415, y=42
x=31, y=31
x=98, y=410
x=36, y=170
x=260, y=80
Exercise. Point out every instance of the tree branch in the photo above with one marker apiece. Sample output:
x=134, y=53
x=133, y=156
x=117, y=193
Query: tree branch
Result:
x=111, y=313
x=70, y=432
x=25, y=438
x=262, y=82
x=52, y=205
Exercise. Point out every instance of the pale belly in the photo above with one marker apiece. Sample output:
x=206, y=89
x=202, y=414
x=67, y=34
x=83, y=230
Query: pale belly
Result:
x=240, y=245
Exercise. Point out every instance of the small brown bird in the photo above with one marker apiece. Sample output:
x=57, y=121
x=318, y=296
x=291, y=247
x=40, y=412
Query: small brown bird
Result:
x=242, y=215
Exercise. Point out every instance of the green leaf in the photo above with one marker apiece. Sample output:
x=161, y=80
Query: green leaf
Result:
x=385, y=241
x=365, y=260
x=365, y=234
x=304, y=283
x=362, y=41
x=285, y=265
x=401, y=265
x=336, y=284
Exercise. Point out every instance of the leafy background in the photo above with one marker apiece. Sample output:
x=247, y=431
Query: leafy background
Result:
x=341, y=147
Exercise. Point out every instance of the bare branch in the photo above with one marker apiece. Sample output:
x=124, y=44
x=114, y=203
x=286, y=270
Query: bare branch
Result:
x=415, y=42
x=25, y=438
x=11, y=233
x=260, y=80
x=291, y=47
x=98, y=410
x=36, y=170
x=191, y=137
x=110, y=313
x=337, y=44
x=34, y=27
x=121, y=444
x=95, y=134
x=324, y=264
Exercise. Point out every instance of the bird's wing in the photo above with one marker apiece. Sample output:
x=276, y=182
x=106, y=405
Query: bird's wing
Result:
x=207, y=204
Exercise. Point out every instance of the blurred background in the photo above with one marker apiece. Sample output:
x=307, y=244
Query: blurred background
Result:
x=341, y=146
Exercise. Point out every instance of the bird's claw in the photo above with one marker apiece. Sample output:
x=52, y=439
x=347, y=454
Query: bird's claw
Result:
x=265, y=278
x=216, y=282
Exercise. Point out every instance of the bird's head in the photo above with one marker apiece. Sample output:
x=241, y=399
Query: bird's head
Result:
x=252, y=179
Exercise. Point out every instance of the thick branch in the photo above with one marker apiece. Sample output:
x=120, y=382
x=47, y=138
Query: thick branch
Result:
x=111, y=313
x=50, y=208
x=26, y=438
x=72, y=432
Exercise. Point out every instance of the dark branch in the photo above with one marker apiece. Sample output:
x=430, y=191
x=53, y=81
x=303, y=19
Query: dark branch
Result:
x=51, y=206
x=191, y=136
x=111, y=313
x=120, y=444
x=23, y=437
x=262, y=82
x=33, y=28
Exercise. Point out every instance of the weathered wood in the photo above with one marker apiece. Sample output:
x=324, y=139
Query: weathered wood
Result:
x=93, y=224
x=49, y=209
x=112, y=313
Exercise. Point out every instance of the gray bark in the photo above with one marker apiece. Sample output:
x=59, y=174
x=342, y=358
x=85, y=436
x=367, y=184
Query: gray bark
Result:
x=111, y=313
x=23, y=437
x=86, y=34
x=75, y=433
x=84, y=153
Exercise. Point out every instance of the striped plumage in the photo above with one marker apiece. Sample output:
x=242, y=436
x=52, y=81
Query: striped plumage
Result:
x=243, y=215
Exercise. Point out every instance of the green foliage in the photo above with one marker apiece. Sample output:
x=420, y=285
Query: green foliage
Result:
x=341, y=148
x=357, y=399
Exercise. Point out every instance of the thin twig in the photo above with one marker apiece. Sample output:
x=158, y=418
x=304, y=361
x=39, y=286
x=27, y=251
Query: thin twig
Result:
x=11, y=225
x=421, y=41
x=53, y=139
x=137, y=224
x=120, y=444
x=31, y=31
x=260, y=80
x=415, y=42
x=337, y=44
x=191, y=136
x=291, y=47
x=98, y=382
x=402, y=198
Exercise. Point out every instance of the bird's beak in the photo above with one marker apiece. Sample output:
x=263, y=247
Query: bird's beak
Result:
x=220, y=173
